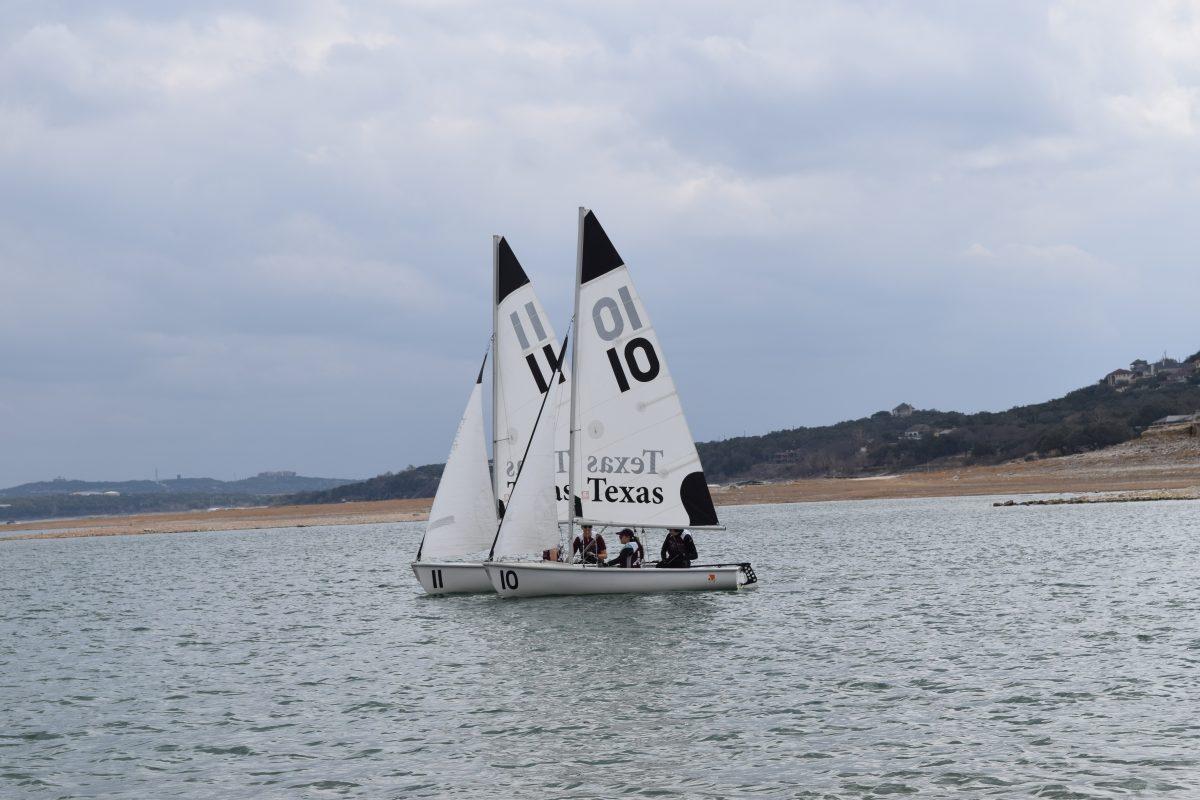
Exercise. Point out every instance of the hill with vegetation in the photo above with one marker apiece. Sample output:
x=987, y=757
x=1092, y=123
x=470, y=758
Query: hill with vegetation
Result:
x=73, y=498
x=262, y=484
x=57, y=506
x=411, y=482
x=1110, y=412
x=1087, y=419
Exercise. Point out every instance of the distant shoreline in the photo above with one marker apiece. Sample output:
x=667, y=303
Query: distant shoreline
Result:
x=1145, y=466
x=226, y=519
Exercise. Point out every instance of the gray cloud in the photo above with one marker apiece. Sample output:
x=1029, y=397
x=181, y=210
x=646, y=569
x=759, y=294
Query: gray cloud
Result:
x=243, y=236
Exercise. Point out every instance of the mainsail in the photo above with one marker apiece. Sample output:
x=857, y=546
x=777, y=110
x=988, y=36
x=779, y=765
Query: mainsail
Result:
x=462, y=520
x=530, y=523
x=526, y=352
x=634, y=456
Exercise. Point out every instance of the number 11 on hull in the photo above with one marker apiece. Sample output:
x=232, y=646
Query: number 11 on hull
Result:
x=451, y=577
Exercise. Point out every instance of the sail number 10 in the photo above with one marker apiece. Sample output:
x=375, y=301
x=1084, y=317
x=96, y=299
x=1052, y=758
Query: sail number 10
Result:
x=610, y=324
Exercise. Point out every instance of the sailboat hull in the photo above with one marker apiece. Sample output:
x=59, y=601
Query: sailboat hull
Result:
x=452, y=577
x=515, y=579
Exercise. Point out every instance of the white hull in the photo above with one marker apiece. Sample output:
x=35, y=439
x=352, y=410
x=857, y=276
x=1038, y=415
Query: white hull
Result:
x=452, y=577
x=533, y=579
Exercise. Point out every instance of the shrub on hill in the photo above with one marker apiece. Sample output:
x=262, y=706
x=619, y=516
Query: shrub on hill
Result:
x=412, y=482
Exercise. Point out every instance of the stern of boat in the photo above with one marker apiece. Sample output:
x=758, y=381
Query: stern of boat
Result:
x=450, y=577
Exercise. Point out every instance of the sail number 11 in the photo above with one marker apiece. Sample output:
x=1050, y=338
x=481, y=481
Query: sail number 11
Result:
x=610, y=324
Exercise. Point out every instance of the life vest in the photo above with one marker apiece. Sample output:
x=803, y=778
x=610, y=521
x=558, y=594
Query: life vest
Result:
x=631, y=555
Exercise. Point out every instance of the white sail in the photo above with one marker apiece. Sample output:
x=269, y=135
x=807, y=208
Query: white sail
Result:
x=463, y=518
x=526, y=351
x=530, y=523
x=634, y=455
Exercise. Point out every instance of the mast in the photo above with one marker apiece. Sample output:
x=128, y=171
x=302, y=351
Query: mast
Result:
x=495, y=366
x=572, y=478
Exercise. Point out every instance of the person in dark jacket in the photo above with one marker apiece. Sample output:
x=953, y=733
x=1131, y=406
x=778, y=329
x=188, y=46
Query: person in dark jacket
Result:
x=631, y=554
x=678, y=550
x=590, y=549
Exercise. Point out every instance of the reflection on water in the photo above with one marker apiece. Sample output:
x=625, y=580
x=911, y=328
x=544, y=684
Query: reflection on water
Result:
x=931, y=646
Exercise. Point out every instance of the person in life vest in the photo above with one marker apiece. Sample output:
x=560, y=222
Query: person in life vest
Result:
x=678, y=550
x=591, y=549
x=631, y=554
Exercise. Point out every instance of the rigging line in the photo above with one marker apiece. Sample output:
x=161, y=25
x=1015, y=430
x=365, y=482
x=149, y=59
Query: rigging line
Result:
x=562, y=352
x=487, y=350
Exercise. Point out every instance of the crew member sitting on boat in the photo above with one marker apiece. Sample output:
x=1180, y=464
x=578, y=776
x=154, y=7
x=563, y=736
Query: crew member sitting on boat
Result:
x=591, y=549
x=631, y=554
x=678, y=550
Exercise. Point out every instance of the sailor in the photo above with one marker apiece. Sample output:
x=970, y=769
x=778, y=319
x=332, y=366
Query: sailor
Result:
x=592, y=550
x=631, y=554
x=678, y=550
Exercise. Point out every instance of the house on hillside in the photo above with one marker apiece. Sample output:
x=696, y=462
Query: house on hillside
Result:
x=787, y=456
x=1120, y=377
x=903, y=410
x=1166, y=366
x=1175, y=419
x=1140, y=368
x=916, y=433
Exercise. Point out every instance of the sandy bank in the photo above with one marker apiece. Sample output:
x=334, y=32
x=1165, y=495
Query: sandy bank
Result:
x=1169, y=462
x=223, y=520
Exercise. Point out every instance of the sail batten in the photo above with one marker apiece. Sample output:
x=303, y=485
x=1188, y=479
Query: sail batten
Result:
x=606, y=523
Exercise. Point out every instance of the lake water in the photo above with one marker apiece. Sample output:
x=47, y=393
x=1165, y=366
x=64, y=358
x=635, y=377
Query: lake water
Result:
x=894, y=647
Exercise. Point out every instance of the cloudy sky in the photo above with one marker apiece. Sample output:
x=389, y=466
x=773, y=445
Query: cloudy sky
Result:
x=256, y=235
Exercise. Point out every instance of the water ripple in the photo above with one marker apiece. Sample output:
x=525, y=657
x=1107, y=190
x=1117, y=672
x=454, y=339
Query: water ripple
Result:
x=929, y=647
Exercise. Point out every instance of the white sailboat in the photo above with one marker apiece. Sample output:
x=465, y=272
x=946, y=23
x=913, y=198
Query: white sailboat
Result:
x=631, y=454
x=525, y=364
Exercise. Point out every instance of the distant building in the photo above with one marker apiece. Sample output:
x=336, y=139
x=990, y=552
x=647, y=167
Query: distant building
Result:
x=1165, y=366
x=903, y=410
x=277, y=473
x=1140, y=368
x=1120, y=377
x=916, y=433
x=787, y=456
x=1175, y=419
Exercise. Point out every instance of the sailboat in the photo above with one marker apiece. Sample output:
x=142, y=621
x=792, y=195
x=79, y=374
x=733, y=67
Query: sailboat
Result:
x=632, y=459
x=526, y=361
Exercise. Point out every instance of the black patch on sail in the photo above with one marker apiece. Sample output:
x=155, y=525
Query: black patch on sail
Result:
x=599, y=255
x=578, y=506
x=693, y=493
x=509, y=275
x=481, y=366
